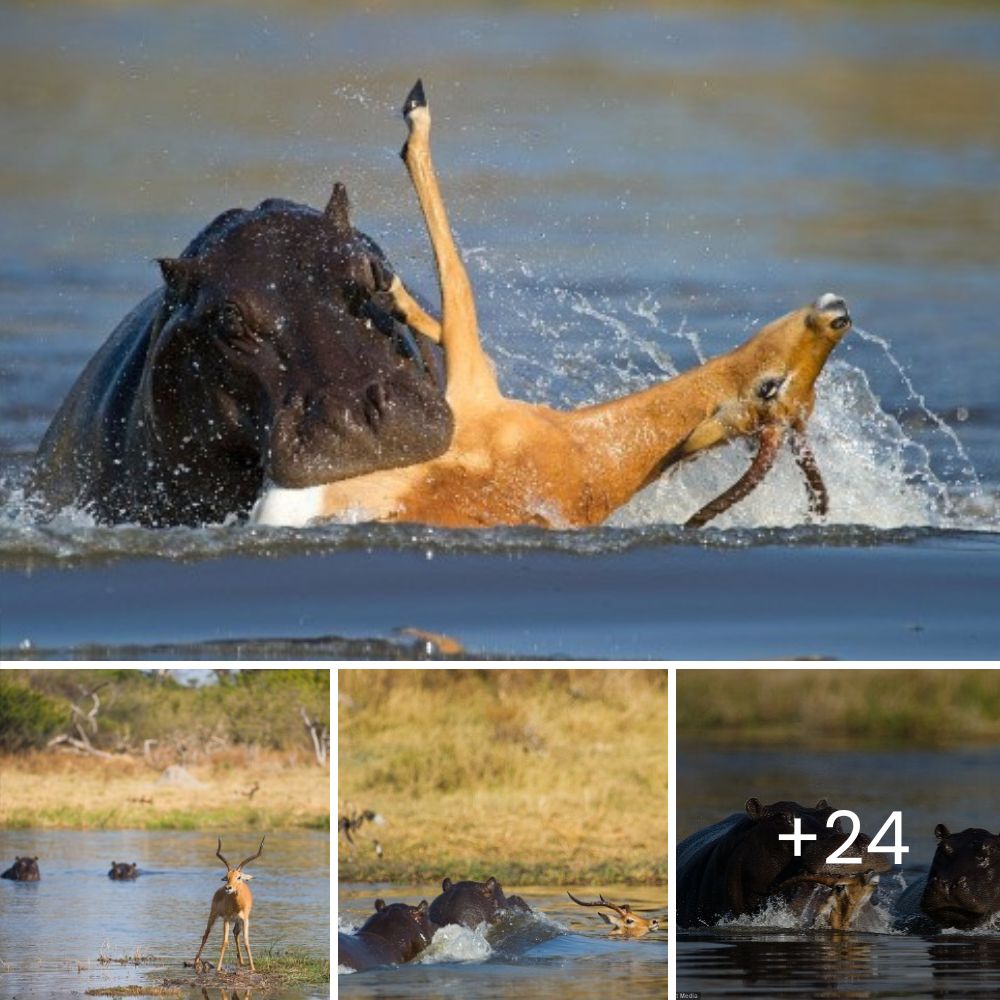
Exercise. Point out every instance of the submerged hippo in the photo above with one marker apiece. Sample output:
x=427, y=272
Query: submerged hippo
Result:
x=472, y=903
x=734, y=867
x=23, y=870
x=265, y=356
x=394, y=934
x=122, y=872
x=962, y=889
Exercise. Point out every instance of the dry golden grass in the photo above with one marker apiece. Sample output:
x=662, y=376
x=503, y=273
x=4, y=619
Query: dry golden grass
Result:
x=60, y=790
x=529, y=775
x=820, y=705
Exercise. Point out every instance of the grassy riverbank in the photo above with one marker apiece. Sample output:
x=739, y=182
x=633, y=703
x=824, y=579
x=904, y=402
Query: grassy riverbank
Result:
x=65, y=791
x=535, y=776
x=828, y=705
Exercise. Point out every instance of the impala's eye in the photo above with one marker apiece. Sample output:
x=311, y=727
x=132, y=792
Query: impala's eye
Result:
x=840, y=322
x=768, y=389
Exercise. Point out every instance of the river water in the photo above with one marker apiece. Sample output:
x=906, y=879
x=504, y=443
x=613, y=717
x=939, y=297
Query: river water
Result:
x=768, y=957
x=54, y=931
x=563, y=951
x=633, y=191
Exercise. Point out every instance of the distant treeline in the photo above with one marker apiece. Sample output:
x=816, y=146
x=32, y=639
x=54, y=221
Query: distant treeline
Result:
x=936, y=707
x=133, y=711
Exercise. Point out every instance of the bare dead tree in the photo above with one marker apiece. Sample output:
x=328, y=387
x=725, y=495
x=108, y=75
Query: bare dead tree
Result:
x=320, y=735
x=82, y=722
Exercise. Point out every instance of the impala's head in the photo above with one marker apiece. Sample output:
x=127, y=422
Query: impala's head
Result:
x=235, y=876
x=621, y=918
x=773, y=374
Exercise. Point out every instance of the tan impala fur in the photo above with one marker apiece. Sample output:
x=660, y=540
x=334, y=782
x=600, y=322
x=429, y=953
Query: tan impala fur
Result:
x=512, y=463
x=621, y=919
x=232, y=903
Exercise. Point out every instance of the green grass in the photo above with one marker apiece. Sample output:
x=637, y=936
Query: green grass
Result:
x=294, y=967
x=830, y=706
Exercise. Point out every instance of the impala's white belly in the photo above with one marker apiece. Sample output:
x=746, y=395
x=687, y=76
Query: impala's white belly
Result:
x=283, y=508
x=373, y=497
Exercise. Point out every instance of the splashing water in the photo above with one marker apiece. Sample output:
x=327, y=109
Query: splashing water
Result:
x=454, y=943
x=588, y=348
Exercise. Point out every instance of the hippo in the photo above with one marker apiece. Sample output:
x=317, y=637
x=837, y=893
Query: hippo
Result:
x=962, y=889
x=394, y=934
x=270, y=354
x=734, y=867
x=473, y=903
x=23, y=870
x=122, y=872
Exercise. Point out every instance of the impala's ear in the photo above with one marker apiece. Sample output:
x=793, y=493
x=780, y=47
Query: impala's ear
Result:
x=245, y=876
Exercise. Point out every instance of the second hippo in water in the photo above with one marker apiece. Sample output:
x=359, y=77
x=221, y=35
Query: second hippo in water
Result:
x=23, y=870
x=962, y=889
x=473, y=903
x=123, y=872
x=395, y=933
x=732, y=869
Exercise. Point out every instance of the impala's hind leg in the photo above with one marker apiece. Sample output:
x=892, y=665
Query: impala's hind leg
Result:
x=409, y=311
x=208, y=930
x=470, y=378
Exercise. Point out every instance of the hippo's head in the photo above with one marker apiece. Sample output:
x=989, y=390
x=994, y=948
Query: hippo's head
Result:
x=408, y=928
x=121, y=870
x=471, y=903
x=23, y=870
x=271, y=337
x=769, y=867
x=963, y=887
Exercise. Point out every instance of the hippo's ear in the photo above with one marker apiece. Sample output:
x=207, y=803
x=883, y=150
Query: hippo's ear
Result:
x=422, y=906
x=941, y=831
x=446, y=884
x=754, y=808
x=178, y=273
x=338, y=209
x=491, y=883
x=823, y=804
x=379, y=904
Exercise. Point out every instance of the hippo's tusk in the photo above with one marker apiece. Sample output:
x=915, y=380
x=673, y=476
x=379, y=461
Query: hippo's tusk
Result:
x=771, y=437
x=819, y=498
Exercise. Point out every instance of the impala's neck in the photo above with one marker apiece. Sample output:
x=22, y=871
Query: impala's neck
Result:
x=626, y=443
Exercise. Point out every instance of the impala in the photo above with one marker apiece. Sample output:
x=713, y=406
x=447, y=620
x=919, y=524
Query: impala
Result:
x=622, y=919
x=233, y=903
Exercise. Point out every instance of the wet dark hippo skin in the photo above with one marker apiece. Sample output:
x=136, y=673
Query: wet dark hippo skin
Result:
x=23, y=870
x=732, y=868
x=472, y=903
x=120, y=871
x=394, y=934
x=265, y=355
x=962, y=888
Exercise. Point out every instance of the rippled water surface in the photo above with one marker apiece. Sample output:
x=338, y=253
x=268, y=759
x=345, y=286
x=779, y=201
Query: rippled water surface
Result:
x=767, y=956
x=56, y=930
x=633, y=191
x=563, y=951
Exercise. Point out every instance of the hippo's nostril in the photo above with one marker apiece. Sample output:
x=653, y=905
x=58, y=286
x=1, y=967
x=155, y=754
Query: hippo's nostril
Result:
x=375, y=404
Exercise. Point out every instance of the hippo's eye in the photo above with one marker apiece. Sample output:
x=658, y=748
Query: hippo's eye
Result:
x=768, y=389
x=231, y=319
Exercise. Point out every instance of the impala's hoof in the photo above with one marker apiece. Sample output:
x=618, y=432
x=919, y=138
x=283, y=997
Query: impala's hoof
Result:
x=415, y=99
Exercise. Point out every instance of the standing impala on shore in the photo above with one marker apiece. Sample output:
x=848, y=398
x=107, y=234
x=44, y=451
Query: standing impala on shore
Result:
x=232, y=902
